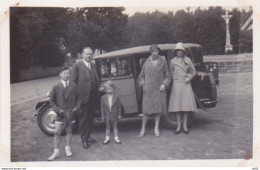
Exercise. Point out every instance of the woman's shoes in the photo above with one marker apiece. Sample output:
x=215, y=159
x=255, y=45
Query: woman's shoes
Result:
x=141, y=135
x=117, y=141
x=177, y=132
x=186, y=132
x=157, y=134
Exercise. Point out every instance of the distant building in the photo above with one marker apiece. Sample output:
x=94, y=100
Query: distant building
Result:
x=247, y=24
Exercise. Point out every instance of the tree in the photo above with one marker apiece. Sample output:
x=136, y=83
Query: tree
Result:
x=99, y=28
x=246, y=41
x=31, y=32
x=210, y=29
x=184, y=25
x=234, y=28
x=205, y=27
x=150, y=28
x=42, y=36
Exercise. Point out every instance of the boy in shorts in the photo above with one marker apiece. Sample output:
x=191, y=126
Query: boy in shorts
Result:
x=64, y=100
x=110, y=111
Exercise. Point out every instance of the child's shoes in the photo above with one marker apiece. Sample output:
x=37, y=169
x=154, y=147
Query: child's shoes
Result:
x=106, y=141
x=67, y=150
x=117, y=140
x=55, y=155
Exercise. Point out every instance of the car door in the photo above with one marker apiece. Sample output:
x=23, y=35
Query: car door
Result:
x=120, y=71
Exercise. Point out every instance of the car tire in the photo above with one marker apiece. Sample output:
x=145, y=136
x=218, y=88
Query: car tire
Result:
x=46, y=121
x=169, y=120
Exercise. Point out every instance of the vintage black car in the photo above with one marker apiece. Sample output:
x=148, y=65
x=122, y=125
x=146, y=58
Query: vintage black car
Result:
x=123, y=67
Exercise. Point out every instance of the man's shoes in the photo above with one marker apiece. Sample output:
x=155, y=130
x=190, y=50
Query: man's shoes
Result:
x=91, y=140
x=85, y=145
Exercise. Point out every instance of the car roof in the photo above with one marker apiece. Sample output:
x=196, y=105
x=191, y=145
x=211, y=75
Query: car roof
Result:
x=140, y=50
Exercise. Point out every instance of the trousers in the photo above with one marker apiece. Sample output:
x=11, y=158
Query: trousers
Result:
x=86, y=117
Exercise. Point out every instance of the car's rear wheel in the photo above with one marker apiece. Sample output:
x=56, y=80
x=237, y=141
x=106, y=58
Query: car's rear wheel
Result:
x=169, y=119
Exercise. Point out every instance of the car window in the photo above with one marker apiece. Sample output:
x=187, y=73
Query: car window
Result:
x=189, y=54
x=115, y=67
x=197, y=54
x=141, y=62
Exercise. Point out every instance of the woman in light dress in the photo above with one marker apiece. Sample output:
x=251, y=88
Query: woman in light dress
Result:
x=182, y=101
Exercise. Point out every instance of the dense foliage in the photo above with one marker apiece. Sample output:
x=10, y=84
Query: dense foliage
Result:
x=205, y=27
x=43, y=36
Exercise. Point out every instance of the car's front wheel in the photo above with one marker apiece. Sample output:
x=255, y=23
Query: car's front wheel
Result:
x=169, y=119
x=46, y=120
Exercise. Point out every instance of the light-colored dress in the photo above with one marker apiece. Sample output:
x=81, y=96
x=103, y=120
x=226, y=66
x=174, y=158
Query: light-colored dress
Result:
x=152, y=76
x=182, y=97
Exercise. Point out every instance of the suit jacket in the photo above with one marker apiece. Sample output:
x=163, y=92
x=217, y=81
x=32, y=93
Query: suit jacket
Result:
x=115, y=108
x=64, y=99
x=80, y=76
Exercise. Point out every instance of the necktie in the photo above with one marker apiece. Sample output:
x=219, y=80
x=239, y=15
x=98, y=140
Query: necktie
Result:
x=66, y=89
x=66, y=84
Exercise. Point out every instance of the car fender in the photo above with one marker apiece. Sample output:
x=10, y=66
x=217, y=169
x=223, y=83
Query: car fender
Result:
x=213, y=84
x=42, y=103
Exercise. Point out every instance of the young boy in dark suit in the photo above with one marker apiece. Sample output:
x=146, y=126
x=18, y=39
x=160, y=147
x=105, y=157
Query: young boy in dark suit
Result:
x=65, y=101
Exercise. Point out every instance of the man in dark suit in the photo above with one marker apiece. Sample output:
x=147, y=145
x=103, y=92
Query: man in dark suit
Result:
x=84, y=75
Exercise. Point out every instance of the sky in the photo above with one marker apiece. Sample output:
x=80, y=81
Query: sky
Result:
x=131, y=10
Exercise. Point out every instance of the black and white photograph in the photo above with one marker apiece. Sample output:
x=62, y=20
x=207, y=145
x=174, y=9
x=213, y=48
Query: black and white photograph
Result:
x=131, y=83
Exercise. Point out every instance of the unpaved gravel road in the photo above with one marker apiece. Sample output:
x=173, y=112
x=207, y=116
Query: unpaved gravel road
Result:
x=223, y=132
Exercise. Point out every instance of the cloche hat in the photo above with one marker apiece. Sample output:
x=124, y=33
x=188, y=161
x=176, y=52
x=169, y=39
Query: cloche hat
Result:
x=179, y=46
x=154, y=46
